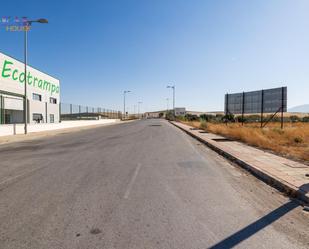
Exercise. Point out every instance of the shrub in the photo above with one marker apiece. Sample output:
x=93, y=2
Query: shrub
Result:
x=278, y=130
x=298, y=140
x=305, y=119
x=170, y=115
x=203, y=125
x=207, y=117
x=181, y=118
x=241, y=119
x=294, y=118
x=228, y=118
x=254, y=118
x=190, y=117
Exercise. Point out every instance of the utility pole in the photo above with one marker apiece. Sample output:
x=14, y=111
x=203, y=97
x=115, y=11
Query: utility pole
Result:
x=167, y=106
x=25, y=87
x=138, y=107
x=26, y=29
x=124, y=104
x=173, y=87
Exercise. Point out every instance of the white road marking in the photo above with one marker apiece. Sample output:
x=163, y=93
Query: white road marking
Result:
x=18, y=176
x=130, y=185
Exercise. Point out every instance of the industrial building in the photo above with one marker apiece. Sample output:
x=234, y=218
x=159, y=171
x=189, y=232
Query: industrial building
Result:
x=43, y=93
x=180, y=111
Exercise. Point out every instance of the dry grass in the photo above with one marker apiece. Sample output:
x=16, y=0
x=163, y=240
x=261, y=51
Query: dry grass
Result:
x=292, y=141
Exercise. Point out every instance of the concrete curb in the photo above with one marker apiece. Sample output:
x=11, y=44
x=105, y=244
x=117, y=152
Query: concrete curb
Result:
x=280, y=185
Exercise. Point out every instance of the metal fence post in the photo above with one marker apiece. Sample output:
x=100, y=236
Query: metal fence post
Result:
x=262, y=108
x=46, y=115
x=60, y=112
x=226, y=108
x=1, y=110
x=243, y=108
x=282, y=97
x=227, y=104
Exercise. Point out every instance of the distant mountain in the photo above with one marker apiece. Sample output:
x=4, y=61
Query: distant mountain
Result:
x=300, y=108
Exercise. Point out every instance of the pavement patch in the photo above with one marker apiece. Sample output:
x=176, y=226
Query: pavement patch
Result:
x=20, y=148
x=95, y=231
x=192, y=164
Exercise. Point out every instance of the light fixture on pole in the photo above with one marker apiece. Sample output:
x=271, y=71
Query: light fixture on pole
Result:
x=124, y=103
x=173, y=87
x=26, y=28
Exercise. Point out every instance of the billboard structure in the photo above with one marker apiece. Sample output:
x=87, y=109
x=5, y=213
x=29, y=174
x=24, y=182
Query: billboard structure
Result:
x=264, y=101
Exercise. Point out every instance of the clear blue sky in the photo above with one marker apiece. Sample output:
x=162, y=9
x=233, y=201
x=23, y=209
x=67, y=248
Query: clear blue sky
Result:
x=207, y=48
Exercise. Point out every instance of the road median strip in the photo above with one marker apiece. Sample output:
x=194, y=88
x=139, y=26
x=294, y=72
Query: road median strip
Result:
x=285, y=175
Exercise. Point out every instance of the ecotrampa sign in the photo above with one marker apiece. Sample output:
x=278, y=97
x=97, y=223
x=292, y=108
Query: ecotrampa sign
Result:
x=10, y=71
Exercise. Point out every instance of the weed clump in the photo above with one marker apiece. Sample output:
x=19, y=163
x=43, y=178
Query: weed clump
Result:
x=203, y=125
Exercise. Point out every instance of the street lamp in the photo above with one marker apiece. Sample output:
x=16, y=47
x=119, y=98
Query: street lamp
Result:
x=167, y=105
x=26, y=28
x=138, y=107
x=124, y=103
x=134, y=110
x=173, y=87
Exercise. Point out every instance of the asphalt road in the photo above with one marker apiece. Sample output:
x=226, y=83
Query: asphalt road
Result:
x=142, y=184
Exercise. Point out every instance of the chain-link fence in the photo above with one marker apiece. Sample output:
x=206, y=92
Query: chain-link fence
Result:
x=80, y=112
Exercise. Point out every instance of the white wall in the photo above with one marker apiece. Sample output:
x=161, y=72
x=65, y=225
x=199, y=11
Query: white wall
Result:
x=36, y=106
x=8, y=84
x=180, y=111
x=53, y=109
x=6, y=130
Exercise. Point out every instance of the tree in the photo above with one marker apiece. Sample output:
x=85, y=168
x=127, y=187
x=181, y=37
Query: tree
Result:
x=228, y=118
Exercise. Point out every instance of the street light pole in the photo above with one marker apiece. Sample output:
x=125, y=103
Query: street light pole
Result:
x=124, y=103
x=26, y=28
x=174, y=99
x=25, y=87
x=138, y=107
x=173, y=87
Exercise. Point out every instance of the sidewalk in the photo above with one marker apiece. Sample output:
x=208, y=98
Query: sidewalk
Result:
x=16, y=129
x=287, y=175
x=43, y=130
